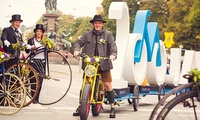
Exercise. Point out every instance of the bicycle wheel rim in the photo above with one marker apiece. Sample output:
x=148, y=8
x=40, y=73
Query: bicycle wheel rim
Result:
x=55, y=82
x=14, y=95
x=29, y=77
x=174, y=108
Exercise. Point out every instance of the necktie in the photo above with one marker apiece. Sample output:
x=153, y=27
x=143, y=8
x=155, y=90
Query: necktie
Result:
x=18, y=35
x=16, y=31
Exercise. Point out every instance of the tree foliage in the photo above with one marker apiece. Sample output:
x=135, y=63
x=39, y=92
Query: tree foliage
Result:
x=179, y=16
x=81, y=25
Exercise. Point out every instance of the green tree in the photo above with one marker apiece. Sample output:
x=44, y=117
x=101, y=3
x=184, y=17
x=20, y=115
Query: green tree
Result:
x=179, y=24
x=81, y=25
x=65, y=23
x=194, y=21
x=178, y=16
x=194, y=16
x=159, y=13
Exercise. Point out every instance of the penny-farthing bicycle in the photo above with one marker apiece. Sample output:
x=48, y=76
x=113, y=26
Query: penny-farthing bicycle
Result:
x=56, y=77
x=12, y=90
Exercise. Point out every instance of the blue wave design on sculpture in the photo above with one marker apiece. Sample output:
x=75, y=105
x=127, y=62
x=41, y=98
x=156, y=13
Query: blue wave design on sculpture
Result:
x=150, y=34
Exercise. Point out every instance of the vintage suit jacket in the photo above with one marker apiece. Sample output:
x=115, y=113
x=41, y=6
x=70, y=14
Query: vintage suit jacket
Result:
x=30, y=42
x=91, y=41
x=10, y=35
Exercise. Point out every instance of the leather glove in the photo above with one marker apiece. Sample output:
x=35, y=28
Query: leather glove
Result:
x=76, y=53
x=112, y=57
x=6, y=43
x=28, y=46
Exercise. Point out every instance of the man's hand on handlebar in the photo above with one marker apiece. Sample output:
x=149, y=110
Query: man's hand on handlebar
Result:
x=112, y=57
x=76, y=53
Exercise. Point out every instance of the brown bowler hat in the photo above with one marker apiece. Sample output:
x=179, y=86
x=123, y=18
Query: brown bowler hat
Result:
x=97, y=18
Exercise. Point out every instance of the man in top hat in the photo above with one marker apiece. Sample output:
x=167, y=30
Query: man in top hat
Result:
x=11, y=35
x=99, y=42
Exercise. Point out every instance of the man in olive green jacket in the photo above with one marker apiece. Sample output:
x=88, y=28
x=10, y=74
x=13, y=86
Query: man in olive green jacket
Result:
x=99, y=42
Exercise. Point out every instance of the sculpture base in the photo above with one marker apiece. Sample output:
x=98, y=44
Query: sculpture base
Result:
x=51, y=21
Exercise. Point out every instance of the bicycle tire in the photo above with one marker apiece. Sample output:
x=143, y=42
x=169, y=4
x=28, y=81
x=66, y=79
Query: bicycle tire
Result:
x=136, y=98
x=12, y=94
x=56, y=79
x=98, y=97
x=174, y=102
x=29, y=79
x=85, y=102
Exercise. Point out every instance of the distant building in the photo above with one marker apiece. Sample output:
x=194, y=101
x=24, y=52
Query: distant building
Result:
x=28, y=30
x=99, y=10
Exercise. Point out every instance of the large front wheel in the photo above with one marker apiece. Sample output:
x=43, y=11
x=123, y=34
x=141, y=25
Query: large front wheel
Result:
x=85, y=102
x=55, y=78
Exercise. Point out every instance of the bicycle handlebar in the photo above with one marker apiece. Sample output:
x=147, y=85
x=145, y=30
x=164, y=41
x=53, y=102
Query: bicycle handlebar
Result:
x=189, y=77
x=92, y=59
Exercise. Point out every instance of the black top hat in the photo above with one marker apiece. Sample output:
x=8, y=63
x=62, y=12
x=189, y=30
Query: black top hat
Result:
x=97, y=18
x=16, y=17
x=39, y=26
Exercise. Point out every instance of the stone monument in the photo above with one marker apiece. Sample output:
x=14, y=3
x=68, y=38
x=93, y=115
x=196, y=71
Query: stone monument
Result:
x=51, y=17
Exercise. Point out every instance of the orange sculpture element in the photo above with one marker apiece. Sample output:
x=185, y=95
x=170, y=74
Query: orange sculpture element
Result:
x=168, y=39
x=145, y=82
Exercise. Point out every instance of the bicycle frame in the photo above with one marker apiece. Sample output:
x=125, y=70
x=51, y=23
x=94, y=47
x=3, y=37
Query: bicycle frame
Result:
x=92, y=81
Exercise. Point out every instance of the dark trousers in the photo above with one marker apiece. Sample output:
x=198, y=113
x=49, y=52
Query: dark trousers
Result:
x=39, y=66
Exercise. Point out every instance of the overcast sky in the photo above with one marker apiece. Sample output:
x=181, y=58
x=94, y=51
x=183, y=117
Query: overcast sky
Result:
x=32, y=10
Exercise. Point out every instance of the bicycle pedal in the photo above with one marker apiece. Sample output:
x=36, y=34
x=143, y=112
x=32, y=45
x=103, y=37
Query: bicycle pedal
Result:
x=117, y=103
x=192, y=106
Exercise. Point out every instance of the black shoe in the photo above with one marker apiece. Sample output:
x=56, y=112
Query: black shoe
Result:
x=77, y=113
x=35, y=102
x=112, y=113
